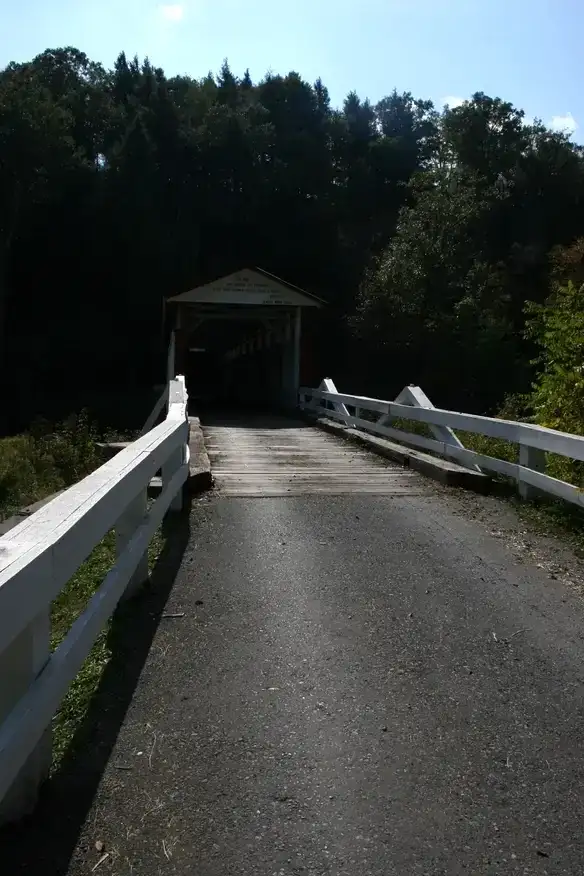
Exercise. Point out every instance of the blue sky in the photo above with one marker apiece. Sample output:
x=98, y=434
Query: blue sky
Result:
x=526, y=51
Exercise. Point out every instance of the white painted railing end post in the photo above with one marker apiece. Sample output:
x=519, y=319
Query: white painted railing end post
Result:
x=328, y=386
x=416, y=397
x=126, y=526
x=177, y=459
x=20, y=664
x=177, y=410
x=535, y=459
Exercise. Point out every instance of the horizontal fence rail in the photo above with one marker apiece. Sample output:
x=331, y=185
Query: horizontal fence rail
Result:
x=412, y=404
x=37, y=559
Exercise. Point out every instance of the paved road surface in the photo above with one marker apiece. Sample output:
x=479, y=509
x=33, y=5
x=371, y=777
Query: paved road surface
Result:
x=361, y=685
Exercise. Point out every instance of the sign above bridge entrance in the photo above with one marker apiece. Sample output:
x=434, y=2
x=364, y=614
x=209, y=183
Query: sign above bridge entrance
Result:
x=253, y=287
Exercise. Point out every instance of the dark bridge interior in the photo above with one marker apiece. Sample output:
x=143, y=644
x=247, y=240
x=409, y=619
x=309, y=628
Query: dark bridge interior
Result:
x=229, y=361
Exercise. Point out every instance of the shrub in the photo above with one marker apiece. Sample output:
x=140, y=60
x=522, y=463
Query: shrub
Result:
x=557, y=398
x=515, y=407
x=45, y=460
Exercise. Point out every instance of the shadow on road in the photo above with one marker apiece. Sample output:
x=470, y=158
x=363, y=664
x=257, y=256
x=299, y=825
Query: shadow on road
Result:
x=44, y=842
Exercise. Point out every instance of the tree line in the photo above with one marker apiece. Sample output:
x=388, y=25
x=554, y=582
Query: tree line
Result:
x=426, y=229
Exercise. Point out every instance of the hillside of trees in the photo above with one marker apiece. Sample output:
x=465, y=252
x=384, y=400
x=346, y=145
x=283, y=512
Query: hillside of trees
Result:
x=428, y=230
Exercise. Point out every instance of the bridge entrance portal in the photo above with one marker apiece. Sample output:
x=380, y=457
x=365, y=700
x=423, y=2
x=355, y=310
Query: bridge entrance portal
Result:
x=239, y=339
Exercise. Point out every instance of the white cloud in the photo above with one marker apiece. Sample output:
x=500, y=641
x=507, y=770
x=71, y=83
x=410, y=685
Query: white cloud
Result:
x=172, y=12
x=567, y=123
x=452, y=101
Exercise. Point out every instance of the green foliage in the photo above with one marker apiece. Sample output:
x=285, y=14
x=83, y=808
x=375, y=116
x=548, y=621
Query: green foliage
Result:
x=25, y=474
x=65, y=610
x=72, y=446
x=445, y=301
x=432, y=306
x=45, y=460
x=414, y=427
x=557, y=328
x=515, y=407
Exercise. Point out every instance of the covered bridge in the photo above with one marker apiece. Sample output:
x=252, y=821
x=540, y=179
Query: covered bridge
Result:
x=248, y=337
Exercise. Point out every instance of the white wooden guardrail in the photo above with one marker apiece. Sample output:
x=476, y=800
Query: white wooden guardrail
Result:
x=413, y=404
x=40, y=555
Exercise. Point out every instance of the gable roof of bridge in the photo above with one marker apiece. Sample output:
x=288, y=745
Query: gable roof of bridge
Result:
x=249, y=286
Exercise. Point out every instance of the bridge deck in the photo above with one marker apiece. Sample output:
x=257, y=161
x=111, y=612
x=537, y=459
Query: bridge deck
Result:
x=354, y=685
x=274, y=456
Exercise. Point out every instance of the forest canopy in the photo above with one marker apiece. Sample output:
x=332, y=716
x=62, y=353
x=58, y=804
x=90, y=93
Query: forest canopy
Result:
x=427, y=229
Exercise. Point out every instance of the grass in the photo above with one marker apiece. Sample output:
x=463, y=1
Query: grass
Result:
x=496, y=447
x=48, y=458
x=414, y=427
x=65, y=610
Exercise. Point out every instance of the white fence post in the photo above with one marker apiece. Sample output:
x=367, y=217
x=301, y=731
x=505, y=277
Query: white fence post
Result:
x=177, y=409
x=415, y=396
x=329, y=386
x=20, y=664
x=126, y=526
x=533, y=458
x=169, y=469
